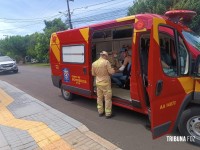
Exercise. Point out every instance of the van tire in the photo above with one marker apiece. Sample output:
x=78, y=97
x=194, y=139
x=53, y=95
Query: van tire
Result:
x=189, y=124
x=66, y=94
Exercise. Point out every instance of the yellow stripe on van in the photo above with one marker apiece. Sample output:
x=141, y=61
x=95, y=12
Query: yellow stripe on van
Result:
x=45, y=137
x=55, y=46
x=85, y=33
x=135, y=31
x=156, y=22
x=187, y=84
x=197, y=86
x=125, y=18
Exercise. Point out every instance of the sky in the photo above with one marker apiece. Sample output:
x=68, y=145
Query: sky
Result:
x=25, y=17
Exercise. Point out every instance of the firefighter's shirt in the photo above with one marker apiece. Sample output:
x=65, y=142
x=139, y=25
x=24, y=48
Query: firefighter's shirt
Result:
x=102, y=69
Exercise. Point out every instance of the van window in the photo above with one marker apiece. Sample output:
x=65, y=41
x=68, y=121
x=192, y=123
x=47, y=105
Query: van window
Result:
x=73, y=54
x=183, y=56
x=192, y=38
x=123, y=33
x=168, y=51
x=102, y=34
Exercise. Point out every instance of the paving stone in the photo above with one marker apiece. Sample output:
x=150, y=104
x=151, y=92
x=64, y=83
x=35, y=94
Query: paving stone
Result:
x=82, y=142
x=16, y=137
x=26, y=109
x=15, y=144
x=33, y=147
x=3, y=142
x=29, y=108
x=96, y=146
x=64, y=131
x=66, y=118
x=30, y=144
x=28, y=140
x=5, y=148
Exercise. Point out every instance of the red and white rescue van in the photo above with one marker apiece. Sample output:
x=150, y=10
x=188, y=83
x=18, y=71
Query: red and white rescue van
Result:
x=170, y=96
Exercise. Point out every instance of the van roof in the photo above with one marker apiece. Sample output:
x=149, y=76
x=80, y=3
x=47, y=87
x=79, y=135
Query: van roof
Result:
x=124, y=20
x=121, y=20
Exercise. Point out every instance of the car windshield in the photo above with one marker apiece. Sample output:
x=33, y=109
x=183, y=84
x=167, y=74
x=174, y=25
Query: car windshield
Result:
x=2, y=59
x=192, y=38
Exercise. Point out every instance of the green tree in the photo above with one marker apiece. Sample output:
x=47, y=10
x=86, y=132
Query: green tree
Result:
x=32, y=42
x=191, y=5
x=150, y=6
x=43, y=40
x=35, y=45
x=14, y=46
x=161, y=6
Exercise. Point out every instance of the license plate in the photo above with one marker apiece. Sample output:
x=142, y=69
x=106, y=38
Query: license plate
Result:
x=8, y=68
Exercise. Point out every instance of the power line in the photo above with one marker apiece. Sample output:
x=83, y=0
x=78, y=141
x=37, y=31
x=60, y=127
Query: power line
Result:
x=53, y=16
x=97, y=9
x=94, y=4
x=20, y=27
x=102, y=15
x=34, y=19
x=83, y=20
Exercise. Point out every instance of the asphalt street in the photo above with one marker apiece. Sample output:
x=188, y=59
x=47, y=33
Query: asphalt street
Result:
x=126, y=130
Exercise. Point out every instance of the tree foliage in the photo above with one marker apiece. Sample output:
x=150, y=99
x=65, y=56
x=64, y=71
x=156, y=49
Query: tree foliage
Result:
x=191, y=5
x=35, y=45
x=14, y=46
x=161, y=6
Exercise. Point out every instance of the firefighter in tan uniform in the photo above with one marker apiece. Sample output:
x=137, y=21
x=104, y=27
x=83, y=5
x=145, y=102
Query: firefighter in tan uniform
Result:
x=102, y=70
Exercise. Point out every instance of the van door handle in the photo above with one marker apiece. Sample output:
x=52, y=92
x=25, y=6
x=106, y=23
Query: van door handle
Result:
x=84, y=70
x=159, y=87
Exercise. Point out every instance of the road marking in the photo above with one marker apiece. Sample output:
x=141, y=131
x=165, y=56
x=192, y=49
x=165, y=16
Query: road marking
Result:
x=41, y=133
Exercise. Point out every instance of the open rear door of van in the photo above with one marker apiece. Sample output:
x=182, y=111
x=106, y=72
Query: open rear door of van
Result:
x=75, y=56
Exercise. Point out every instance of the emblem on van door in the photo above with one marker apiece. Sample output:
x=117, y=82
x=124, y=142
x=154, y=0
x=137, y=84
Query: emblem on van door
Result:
x=66, y=75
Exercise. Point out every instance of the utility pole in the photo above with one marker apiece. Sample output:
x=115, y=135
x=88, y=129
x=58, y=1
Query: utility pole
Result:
x=69, y=14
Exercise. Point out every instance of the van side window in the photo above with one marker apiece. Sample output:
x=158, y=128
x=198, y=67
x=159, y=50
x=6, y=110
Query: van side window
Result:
x=183, y=57
x=168, y=51
x=73, y=54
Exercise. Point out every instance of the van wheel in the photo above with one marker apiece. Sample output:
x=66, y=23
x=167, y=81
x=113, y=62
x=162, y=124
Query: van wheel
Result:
x=66, y=94
x=189, y=125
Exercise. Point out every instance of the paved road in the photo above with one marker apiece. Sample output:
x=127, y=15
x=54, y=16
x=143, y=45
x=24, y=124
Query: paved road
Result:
x=126, y=130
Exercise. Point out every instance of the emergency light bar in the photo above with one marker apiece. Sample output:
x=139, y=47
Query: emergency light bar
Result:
x=183, y=16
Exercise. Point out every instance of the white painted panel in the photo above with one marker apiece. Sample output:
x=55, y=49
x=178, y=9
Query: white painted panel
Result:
x=73, y=54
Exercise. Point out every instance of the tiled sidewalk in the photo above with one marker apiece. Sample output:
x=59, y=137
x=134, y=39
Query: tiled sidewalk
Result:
x=27, y=123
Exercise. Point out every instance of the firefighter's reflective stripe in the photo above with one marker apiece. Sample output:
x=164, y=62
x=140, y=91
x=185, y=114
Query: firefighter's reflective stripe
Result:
x=107, y=92
x=108, y=103
x=100, y=99
x=102, y=83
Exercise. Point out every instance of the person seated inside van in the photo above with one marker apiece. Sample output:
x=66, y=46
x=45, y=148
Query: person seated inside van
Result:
x=114, y=60
x=123, y=73
x=166, y=61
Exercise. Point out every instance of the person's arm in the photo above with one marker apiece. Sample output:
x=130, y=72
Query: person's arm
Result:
x=164, y=65
x=109, y=68
x=93, y=71
x=126, y=61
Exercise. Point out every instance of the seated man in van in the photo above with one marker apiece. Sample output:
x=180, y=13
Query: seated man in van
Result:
x=166, y=61
x=113, y=59
x=123, y=72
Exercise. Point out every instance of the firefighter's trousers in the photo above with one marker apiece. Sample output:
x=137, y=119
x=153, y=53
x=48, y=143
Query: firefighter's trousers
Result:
x=104, y=92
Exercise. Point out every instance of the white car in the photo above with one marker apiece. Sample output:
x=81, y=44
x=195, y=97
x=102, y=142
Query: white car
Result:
x=8, y=64
x=34, y=61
